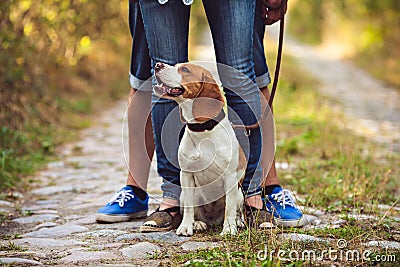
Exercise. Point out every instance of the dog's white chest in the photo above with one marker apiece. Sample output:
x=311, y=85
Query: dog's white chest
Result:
x=211, y=152
x=196, y=157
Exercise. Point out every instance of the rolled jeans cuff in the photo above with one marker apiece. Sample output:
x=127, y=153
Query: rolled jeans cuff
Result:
x=253, y=193
x=253, y=187
x=171, y=191
x=263, y=80
x=135, y=82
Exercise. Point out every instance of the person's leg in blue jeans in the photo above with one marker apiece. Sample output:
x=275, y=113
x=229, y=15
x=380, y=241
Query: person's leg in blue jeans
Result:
x=166, y=27
x=278, y=201
x=232, y=24
x=131, y=201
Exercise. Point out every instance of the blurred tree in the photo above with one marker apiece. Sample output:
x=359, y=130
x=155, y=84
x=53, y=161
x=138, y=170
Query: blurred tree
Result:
x=45, y=43
x=58, y=58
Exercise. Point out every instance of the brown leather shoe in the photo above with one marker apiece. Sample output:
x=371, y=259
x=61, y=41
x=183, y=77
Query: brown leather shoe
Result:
x=162, y=220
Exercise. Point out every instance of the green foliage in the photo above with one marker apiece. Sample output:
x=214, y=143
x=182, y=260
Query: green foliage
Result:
x=57, y=59
x=49, y=49
x=22, y=152
x=11, y=247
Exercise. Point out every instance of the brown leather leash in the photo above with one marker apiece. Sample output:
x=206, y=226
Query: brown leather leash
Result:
x=256, y=125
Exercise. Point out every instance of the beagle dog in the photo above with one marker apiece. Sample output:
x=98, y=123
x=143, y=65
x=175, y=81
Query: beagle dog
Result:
x=210, y=158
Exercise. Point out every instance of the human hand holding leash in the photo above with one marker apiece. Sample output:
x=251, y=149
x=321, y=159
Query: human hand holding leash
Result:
x=273, y=10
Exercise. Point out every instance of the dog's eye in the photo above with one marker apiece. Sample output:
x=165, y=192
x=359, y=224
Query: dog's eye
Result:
x=184, y=69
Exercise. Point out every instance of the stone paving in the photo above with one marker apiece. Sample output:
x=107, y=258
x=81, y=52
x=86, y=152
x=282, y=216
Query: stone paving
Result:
x=59, y=225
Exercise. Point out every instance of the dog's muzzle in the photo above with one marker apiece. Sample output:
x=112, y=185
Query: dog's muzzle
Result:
x=162, y=89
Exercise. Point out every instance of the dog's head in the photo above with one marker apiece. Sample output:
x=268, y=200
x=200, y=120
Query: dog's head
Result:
x=192, y=85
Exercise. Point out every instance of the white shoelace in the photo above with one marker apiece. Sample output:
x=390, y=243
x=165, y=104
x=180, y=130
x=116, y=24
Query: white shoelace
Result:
x=284, y=198
x=121, y=197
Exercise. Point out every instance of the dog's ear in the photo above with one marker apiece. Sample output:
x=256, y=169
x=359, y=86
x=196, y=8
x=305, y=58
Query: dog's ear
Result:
x=209, y=102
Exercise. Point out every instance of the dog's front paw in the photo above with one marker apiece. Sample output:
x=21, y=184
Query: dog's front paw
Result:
x=185, y=229
x=199, y=226
x=230, y=229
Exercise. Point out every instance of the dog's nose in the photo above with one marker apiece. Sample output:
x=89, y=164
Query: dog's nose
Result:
x=159, y=66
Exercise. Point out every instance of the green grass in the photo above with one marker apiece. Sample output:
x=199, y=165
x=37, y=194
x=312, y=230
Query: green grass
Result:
x=23, y=152
x=11, y=247
x=267, y=248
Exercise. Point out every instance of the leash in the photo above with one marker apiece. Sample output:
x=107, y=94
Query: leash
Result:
x=265, y=114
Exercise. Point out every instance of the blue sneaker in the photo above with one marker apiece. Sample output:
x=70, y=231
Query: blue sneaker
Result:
x=282, y=205
x=123, y=206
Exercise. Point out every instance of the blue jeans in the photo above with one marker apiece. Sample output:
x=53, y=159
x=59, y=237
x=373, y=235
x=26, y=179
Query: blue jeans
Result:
x=140, y=68
x=166, y=27
x=260, y=63
x=140, y=58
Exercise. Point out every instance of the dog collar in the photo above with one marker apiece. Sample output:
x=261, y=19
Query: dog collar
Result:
x=207, y=125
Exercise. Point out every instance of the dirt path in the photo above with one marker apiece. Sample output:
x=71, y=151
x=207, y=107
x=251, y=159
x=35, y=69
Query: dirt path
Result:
x=372, y=107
